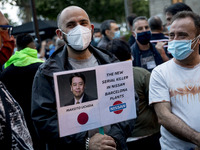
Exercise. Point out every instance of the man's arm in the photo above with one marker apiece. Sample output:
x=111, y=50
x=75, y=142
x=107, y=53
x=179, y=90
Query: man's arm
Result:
x=160, y=49
x=174, y=124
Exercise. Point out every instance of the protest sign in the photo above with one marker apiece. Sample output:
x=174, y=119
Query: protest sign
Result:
x=108, y=97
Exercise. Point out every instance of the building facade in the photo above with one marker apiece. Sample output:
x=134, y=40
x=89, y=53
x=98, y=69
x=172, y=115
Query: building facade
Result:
x=156, y=7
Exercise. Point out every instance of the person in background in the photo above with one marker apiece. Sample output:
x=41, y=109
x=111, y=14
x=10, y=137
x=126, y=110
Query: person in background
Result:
x=52, y=46
x=7, y=42
x=157, y=36
x=109, y=30
x=173, y=9
x=146, y=132
x=96, y=37
x=130, y=19
x=75, y=29
x=144, y=53
x=156, y=27
x=174, y=85
x=14, y=131
x=18, y=77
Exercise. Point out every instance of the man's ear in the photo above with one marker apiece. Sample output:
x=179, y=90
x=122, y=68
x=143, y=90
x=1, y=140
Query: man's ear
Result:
x=107, y=32
x=71, y=88
x=59, y=34
x=92, y=28
x=133, y=33
x=199, y=39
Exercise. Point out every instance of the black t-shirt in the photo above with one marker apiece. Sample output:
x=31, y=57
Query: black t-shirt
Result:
x=147, y=60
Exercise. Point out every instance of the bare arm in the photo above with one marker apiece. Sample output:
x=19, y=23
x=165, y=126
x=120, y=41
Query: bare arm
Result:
x=160, y=49
x=174, y=124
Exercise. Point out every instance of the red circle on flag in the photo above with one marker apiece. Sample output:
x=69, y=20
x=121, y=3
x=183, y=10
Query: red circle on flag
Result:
x=82, y=118
x=118, y=111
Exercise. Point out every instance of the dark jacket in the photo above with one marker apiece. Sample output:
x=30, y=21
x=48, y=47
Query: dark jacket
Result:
x=103, y=43
x=14, y=132
x=131, y=40
x=136, y=54
x=44, y=112
x=18, y=81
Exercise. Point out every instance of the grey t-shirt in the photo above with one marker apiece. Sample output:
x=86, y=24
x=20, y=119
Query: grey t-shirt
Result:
x=84, y=63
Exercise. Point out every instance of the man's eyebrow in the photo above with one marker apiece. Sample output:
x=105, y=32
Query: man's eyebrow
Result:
x=82, y=20
x=71, y=22
x=182, y=33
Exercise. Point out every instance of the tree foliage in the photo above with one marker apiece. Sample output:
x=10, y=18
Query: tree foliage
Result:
x=98, y=10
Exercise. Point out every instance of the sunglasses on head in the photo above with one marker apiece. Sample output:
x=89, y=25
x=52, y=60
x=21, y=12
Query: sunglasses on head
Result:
x=7, y=27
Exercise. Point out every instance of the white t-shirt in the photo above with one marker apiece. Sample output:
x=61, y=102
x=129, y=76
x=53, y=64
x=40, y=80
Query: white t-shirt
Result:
x=181, y=87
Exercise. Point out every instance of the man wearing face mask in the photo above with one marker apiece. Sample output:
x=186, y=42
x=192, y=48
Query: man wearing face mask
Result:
x=144, y=53
x=174, y=86
x=96, y=37
x=7, y=43
x=109, y=30
x=75, y=29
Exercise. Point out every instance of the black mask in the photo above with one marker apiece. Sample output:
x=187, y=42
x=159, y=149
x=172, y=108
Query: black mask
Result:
x=144, y=37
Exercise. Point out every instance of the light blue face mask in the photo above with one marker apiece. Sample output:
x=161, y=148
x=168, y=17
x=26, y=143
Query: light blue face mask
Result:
x=168, y=27
x=96, y=39
x=51, y=46
x=117, y=35
x=181, y=49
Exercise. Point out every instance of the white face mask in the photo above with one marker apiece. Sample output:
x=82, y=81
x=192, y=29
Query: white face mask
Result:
x=78, y=38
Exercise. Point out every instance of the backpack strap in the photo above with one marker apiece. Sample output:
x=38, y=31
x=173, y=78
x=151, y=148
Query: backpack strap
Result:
x=7, y=135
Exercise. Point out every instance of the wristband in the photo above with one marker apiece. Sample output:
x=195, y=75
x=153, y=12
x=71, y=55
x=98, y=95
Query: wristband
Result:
x=87, y=141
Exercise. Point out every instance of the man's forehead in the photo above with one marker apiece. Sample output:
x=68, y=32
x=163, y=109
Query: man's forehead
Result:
x=141, y=23
x=73, y=14
x=113, y=25
x=183, y=23
x=77, y=78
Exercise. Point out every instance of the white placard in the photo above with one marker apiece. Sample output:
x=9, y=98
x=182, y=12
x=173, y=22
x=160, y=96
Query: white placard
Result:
x=112, y=89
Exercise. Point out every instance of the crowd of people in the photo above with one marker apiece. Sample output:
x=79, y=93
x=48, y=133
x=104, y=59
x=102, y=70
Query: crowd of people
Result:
x=165, y=61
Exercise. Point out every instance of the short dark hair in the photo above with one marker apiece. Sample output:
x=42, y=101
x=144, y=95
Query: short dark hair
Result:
x=177, y=7
x=130, y=18
x=120, y=49
x=155, y=23
x=193, y=16
x=106, y=26
x=139, y=18
x=80, y=75
x=96, y=30
x=23, y=40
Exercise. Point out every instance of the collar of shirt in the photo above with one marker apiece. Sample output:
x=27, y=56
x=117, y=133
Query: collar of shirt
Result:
x=80, y=100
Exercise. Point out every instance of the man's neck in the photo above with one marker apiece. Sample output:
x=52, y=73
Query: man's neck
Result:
x=78, y=55
x=143, y=47
x=190, y=62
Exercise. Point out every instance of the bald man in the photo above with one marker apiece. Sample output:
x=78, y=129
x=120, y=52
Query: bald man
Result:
x=77, y=53
x=6, y=40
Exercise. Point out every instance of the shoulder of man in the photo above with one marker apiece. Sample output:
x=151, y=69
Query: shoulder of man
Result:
x=102, y=55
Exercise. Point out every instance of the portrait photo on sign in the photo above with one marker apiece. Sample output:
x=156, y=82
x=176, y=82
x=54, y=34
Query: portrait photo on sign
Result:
x=78, y=87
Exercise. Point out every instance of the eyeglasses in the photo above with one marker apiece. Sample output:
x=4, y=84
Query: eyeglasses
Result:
x=7, y=27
